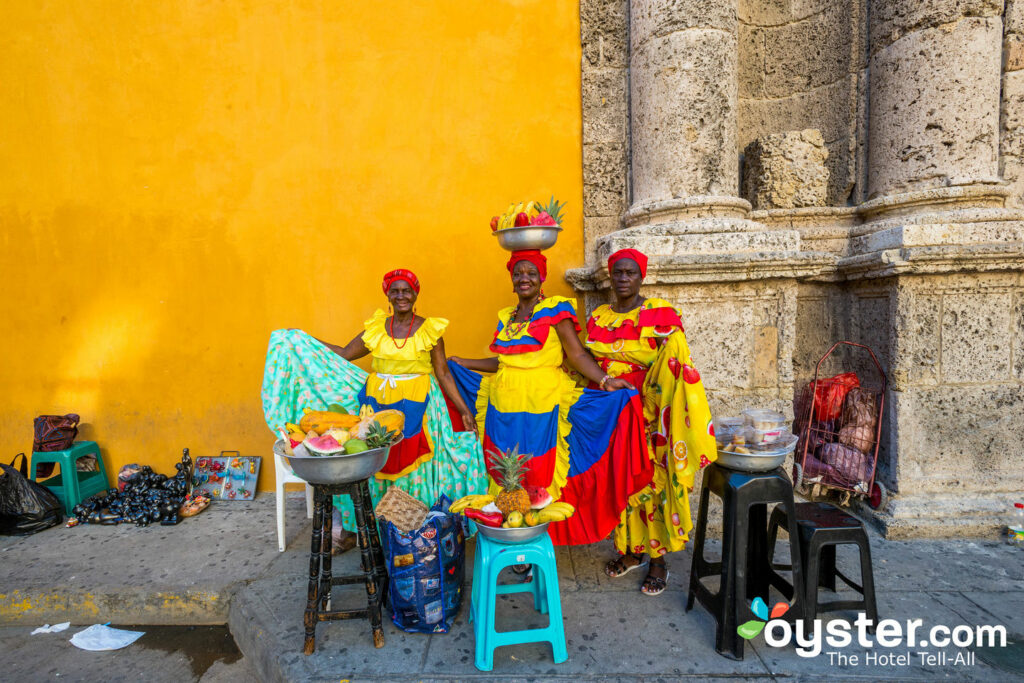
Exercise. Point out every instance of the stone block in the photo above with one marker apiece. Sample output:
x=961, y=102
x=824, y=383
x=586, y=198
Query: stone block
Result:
x=765, y=12
x=765, y=371
x=894, y=19
x=810, y=53
x=786, y=170
x=751, y=62
x=604, y=167
x=1013, y=52
x=916, y=336
x=605, y=115
x=1018, y=336
x=934, y=107
x=604, y=32
x=1011, y=138
x=595, y=227
x=651, y=19
x=976, y=337
x=1013, y=17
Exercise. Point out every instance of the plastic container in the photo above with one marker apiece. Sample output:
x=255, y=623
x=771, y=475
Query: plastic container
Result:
x=1015, y=526
x=726, y=428
x=767, y=425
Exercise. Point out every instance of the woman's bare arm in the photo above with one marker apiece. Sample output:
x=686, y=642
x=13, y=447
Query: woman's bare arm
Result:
x=581, y=359
x=447, y=382
x=354, y=350
x=478, y=364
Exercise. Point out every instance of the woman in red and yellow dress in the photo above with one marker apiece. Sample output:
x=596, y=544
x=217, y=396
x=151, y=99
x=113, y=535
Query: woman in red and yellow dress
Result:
x=642, y=341
x=586, y=447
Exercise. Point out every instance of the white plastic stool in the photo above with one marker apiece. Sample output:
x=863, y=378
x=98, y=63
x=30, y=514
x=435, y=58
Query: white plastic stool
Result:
x=285, y=476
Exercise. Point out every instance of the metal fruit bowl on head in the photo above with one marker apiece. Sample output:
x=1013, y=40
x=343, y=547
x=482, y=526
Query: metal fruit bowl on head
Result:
x=528, y=237
x=331, y=470
x=520, y=534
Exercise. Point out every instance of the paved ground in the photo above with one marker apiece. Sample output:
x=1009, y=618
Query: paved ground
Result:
x=224, y=566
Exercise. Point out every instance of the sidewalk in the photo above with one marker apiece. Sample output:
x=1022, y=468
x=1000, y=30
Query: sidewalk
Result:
x=223, y=567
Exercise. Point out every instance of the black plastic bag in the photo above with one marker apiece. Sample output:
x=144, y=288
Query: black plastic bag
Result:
x=25, y=506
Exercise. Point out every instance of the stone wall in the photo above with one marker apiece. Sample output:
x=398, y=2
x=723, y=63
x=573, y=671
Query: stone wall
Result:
x=802, y=66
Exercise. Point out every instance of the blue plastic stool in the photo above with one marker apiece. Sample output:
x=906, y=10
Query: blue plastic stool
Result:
x=72, y=486
x=491, y=558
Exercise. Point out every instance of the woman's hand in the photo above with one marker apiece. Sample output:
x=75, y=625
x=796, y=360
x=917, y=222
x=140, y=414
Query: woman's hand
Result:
x=457, y=360
x=615, y=383
x=469, y=422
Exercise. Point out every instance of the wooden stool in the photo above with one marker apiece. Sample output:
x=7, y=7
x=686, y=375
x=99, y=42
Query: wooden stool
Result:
x=374, y=575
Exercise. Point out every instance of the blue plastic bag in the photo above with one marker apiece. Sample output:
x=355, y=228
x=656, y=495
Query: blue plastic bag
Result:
x=426, y=569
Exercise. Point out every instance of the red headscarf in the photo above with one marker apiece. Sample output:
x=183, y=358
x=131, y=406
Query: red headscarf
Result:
x=533, y=256
x=638, y=256
x=401, y=274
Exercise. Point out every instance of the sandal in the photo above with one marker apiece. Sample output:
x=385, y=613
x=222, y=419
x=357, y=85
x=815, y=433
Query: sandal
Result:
x=655, y=585
x=617, y=568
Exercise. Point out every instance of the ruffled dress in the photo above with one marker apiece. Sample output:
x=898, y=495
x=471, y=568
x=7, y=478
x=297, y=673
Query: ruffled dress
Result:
x=431, y=459
x=657, y=519
x=586, y=447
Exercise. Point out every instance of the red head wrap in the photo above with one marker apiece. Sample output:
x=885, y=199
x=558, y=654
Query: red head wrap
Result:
x=633, y=254
x=401, y=274
x=533, y=256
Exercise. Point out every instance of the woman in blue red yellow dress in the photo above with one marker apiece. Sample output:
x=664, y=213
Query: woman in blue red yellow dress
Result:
x=641, y=341
x=586, y=447
x=409, y=368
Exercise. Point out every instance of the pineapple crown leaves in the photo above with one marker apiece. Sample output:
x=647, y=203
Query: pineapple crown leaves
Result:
x=511, y=466
x=553, y=208
x=378, y=435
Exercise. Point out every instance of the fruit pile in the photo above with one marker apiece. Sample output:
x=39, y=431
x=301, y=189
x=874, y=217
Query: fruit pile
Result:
x=335, y=432
x=526, y=214
x=515, y=505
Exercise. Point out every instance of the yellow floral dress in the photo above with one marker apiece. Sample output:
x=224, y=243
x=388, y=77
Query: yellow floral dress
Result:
x=647, y=347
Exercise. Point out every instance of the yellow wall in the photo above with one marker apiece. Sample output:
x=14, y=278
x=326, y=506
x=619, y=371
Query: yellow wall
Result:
x=179, y=178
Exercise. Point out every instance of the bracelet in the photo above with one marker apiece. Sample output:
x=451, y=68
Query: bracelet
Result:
x=603, y=380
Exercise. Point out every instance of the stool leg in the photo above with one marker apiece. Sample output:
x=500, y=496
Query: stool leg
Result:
x=554, y=609
x=69, y=474
x=369, y=566
x=796, y=558
x=325, y=553
x=376, y=548
x=489, y=604
x=697, y=560
x=732, y=590
x=813, y=562
x=758, y=562
x=867, y=580
x=310, y=617
x=827, y=568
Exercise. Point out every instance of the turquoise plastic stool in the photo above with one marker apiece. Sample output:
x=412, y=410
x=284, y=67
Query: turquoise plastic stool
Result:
x=491, y=558
x=72, y=486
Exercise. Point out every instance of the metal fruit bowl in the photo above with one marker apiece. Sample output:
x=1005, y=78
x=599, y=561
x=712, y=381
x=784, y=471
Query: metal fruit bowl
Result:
x=520, y=534
x=762, y=458
x=331, y=470
x=528, y=237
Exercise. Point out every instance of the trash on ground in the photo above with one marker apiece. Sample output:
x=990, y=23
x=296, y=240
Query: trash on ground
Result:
x=56, y=628
x=99, y=637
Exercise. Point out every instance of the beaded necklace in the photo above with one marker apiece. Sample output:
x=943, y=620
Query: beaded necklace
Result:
x=515, y=328
x=408, y=333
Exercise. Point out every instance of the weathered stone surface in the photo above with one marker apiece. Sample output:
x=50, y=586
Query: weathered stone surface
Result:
x=1018, y=335
x=604, y=166
x=684, y=115
x=1013, y=16
x=1011, y=135
x=942, y=130
x=764, y=12
x=809, y=53
x=893, y=19
x=595, y=227
x=786, y=170
x=751, y=63
x=652, y=19
x=604, y=33
x=604, y=104
x=1013, y=53
x=976, y=337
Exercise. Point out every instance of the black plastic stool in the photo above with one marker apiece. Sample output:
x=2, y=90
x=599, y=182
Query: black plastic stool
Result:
x=821, y=528
x=745, y=569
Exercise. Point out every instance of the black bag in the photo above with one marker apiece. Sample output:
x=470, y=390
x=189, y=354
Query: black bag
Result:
x=25, y=506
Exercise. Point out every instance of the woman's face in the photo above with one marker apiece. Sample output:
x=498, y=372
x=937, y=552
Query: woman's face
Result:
x=401, y=296
x=525, y=280
x=626, y=279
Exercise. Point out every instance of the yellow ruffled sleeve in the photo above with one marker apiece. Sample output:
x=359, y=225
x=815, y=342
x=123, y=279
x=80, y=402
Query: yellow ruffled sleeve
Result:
x=375, y=332
x=429, y=333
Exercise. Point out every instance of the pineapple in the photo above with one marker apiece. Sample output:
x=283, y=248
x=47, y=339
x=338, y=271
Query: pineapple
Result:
x=549, y=213
x=511, y=469
x=378, y=435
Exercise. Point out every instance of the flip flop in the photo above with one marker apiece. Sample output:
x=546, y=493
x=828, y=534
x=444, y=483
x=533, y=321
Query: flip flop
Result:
x=660, y=584
x=624, y=571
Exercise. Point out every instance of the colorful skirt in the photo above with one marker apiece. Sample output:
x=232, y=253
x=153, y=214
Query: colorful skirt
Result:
x=586, y=447
x=302, y=373
x=657, y=519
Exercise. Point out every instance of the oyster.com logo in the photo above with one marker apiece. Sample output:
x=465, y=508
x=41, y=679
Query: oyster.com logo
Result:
x=750, y=629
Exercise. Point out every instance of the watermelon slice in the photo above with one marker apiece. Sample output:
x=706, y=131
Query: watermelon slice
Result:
x=539, y=497
x=323, y=445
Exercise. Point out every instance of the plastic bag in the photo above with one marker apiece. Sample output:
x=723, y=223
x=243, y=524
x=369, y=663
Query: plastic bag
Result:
x=426, y=568
x=25, y=506
x=830, y=393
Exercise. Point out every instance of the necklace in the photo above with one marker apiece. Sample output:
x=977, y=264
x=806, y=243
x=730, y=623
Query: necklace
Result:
x=514, y=329
x=408, y=333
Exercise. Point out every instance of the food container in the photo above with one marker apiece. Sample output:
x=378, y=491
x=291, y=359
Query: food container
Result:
x=768, y=426
x=330, y=470
x=510, y=535
x=726, y=428
x=528, y=237
x=760, y=458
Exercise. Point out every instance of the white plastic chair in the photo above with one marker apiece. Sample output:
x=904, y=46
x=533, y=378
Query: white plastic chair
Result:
x=285, y=476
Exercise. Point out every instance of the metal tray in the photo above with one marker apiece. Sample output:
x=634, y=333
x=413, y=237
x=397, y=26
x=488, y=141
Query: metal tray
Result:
x=335, y=469
x=512, y=535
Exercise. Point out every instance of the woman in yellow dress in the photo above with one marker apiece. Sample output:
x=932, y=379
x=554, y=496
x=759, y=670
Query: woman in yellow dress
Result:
x=642, y=341
x=408, y=370
x=585, y=447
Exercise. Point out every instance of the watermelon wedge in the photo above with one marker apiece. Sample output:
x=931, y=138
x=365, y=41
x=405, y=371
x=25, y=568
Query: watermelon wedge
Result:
x=539, y=497
x=323, y=445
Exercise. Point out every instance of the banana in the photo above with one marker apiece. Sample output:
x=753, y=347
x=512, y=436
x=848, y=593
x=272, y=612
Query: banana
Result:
x=476, y=501
x=561, y=507
x=547, y=515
